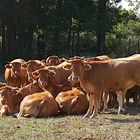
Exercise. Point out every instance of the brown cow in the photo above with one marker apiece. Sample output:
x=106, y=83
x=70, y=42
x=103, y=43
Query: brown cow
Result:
x=52, y=60
x=111, y=75
x=46, y=79
x=1, y=85
x=31, y=66
x=38, y=105
x=72, y=101
x=53, y=79
x=10, y=100
x=15, y=75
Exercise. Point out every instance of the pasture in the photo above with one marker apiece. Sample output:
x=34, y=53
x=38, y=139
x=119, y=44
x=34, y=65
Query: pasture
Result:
x=106, y=126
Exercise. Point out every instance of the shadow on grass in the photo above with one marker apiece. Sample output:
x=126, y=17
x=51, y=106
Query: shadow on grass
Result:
x=125, y=120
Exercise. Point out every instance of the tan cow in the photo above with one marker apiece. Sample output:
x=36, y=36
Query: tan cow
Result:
x=38, y=105
x=72, y=101
x=10, y=100
x=111, y=75
x=15, y=75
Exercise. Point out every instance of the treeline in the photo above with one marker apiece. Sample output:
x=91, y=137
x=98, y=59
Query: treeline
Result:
x=39, y=28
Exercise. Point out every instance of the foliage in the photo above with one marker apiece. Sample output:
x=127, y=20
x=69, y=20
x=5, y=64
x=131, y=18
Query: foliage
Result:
x=63, y=27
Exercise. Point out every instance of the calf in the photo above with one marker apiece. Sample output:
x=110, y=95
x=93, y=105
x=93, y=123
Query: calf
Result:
x=72, y=101
x=10, y=100
x=38, y=105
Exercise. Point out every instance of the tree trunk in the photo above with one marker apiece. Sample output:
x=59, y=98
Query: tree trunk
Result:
x=69, y=36
x=78, y=46
x=100, y=24
x=3, y=36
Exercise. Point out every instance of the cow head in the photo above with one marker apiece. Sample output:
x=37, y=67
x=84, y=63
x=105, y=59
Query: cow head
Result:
x=43, y=76
x=7, y=94
x=31, y=66
x=77, y=66
x=15, y=68
x=52, y=60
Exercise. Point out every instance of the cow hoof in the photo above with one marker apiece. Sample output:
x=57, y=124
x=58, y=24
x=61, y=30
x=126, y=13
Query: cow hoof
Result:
x=122, y=111
x=92, y=116
x=85, y=116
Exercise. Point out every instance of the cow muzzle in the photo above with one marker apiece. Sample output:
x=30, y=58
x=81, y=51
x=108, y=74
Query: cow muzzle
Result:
x=75, y=78
x=3, y=102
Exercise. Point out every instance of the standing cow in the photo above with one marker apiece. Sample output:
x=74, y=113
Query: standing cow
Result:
x=110, y=75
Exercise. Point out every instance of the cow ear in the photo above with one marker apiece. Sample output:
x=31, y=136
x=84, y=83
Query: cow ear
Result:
x=24, y=65
x=36, y=74
x=74, y=101
x=67, y=66
x=96, y=59
x=87, y=66
x=8, y=66
x=53, y=73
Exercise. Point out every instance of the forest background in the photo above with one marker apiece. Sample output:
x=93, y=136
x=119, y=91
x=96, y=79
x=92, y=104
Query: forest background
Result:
x=36, y=29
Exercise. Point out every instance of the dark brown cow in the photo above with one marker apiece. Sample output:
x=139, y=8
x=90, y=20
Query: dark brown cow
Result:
x=133, y=93
x=15, y=75
x=10, y=100
x=111, y=75
x=31, y=66
x=38, y=105
x=72, y=101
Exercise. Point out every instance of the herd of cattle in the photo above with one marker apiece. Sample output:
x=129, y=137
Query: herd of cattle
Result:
x=42, y=88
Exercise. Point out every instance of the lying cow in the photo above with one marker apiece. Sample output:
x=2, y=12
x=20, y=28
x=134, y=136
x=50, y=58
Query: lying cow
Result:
x=72, y=101
x=38, y=105
x=46, y=79
x=10, y=100
x=53, y=79
x=14, y=74
x=110, y=75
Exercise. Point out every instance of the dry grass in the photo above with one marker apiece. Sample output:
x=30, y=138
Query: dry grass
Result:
x=106, y=126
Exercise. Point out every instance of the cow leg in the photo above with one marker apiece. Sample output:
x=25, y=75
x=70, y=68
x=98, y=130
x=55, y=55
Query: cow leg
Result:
x=105, y=98
x=120, y=98
x=96, y=102
x=91, y=103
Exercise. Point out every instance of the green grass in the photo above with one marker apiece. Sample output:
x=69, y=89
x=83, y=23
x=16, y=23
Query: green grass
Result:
x=106, y=126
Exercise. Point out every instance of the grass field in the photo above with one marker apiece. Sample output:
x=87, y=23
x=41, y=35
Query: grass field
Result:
x=106, y=126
